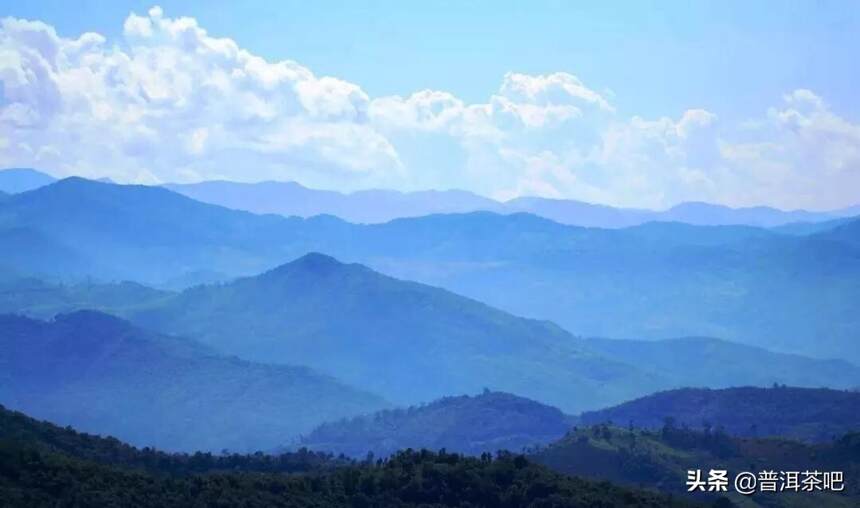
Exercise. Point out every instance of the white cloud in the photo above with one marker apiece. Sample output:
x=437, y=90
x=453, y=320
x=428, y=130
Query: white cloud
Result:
x=801, y=155
x=170, y=102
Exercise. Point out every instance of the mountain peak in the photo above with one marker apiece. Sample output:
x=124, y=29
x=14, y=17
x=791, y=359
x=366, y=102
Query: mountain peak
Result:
x=316, y=260
x=314, y=263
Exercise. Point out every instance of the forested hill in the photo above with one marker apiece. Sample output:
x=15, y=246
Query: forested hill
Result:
x=806, y=414
x=101, y=374
x=472, y=425
x=44, y=466
x=660, y=459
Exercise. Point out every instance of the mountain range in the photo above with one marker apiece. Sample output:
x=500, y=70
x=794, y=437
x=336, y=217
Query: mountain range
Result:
x=406, y=341
x=378, y=205
x=410, y=342
x=785, y=292
x=176, y=324
x=101, y=374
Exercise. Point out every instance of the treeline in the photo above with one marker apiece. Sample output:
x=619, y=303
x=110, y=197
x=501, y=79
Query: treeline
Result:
x=43, y=465
x=814, y=415
x=660, y=459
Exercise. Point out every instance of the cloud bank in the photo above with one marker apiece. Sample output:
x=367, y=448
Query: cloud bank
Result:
x=171, y=103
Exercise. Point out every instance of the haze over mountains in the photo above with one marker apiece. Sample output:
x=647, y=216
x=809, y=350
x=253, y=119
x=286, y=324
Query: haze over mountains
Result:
x=403, y=340
x=377, y=206
x=410, y=343
x=716, y=363
x=784, y=292
x=100, y=374
x=283, y=327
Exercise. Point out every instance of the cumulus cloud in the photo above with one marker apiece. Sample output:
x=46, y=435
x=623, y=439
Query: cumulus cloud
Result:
x=801, y=155
x=170, y=102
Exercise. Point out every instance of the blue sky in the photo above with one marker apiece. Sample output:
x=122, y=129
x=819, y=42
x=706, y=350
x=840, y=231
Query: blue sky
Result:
x=740, y=62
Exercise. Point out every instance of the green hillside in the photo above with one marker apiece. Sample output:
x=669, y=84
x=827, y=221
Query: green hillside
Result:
x=661, y=458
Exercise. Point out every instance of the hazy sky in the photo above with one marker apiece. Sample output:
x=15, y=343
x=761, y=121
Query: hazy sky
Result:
x=633, y=103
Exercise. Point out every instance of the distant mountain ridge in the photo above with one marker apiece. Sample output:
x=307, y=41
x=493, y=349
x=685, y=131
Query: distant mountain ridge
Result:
x=378, y=205
x=102, y=375
x=150, y=232
x=370, y=206
x=805, y=414
x=715, y=363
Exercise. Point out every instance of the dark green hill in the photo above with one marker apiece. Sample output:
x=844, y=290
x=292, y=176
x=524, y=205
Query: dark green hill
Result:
x=661, y=459
x=798, y=413
x=488, y=422
x=44, y=466
x=406, y=341
x=100, y=374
